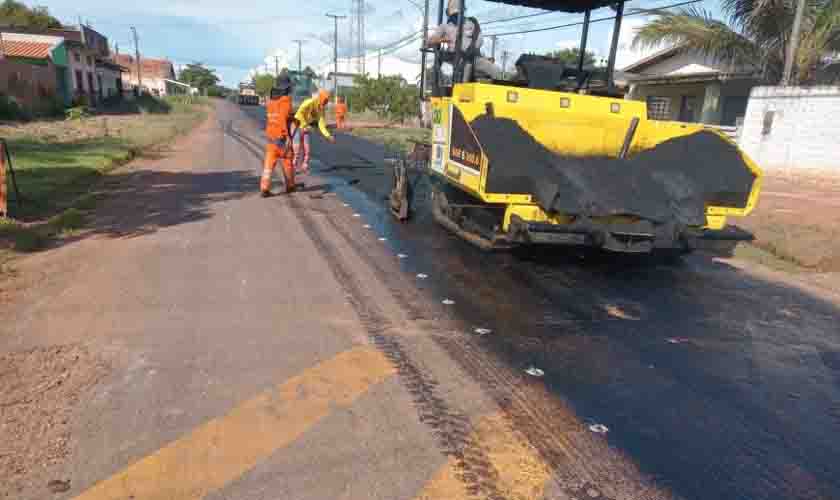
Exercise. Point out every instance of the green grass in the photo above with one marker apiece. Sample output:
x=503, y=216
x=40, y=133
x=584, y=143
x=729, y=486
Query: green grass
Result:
x=52, y=174
x=394, y=138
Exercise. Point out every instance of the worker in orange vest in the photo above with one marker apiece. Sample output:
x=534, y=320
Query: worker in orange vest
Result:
x=279, y=146
x=310, y=114
x=340, y=113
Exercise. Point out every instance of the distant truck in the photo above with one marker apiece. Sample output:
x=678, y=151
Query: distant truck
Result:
x=304, y=86
x=248, y=95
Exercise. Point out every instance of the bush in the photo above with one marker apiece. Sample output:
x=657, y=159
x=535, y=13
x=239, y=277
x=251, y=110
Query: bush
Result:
x=10, y=110
x=76, y=113
x=154, y=105
x=388, y=96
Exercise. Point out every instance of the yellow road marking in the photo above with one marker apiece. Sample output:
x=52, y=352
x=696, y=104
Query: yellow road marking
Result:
x=521, y=472
x=224, y=448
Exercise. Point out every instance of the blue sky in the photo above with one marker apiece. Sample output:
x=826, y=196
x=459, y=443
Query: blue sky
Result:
x=235, y=38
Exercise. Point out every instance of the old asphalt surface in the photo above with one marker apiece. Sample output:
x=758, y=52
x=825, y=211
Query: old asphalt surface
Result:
x=302, y=347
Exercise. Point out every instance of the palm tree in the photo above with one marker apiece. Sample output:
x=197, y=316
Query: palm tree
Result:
x=757, y=32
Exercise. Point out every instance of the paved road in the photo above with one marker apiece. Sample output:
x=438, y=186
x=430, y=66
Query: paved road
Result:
x=262, y=349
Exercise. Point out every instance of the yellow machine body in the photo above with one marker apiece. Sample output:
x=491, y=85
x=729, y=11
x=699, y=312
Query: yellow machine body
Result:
x=566, y=123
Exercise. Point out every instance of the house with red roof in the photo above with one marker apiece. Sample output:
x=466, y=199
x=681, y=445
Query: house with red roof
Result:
x=155, y=76
x=32, y=71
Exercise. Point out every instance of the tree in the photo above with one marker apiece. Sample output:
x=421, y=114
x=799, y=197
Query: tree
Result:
x=264, y=82
x=570, y=57
x=199, y=76
x=388, y=96
x=16, y=14
x=756, y=33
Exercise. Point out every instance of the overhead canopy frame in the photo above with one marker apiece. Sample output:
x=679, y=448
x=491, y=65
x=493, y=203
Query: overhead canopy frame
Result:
x=571, y=6
x=559, y=5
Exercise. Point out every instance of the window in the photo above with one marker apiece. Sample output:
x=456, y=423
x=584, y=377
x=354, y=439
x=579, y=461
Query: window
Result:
x=89, y=61
x=77, y=57
x=80, y=82
x=658, y=108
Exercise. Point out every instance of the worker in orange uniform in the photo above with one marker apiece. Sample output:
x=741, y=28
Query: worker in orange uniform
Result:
x=279, y=147
x=340, y=113
x=310, y=114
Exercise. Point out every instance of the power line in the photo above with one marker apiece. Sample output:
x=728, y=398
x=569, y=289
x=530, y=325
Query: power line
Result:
x=635, y=12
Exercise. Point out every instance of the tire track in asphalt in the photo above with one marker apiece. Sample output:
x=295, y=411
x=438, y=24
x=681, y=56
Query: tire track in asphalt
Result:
x=451, y=428
x=544, y=422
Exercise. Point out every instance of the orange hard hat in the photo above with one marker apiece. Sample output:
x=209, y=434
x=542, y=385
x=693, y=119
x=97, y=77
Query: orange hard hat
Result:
x=323, y=97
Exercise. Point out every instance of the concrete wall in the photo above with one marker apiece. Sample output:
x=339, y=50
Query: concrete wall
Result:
x=793, y=127
x=82, y=65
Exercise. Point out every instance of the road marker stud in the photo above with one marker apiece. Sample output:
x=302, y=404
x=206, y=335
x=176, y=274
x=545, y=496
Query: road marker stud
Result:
x=422, y=276
x=534, y=371
x=482, y=331
x=599, y=428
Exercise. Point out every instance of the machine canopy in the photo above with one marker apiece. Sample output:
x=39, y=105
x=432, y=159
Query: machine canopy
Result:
x=560, y=5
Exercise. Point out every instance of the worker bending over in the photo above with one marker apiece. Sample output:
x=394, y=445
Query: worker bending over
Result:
x=475, y=64
x=279, y=146
x=340, y=113
x=310, y=114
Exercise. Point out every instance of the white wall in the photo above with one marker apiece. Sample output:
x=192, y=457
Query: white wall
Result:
x=84, y=67
x=805, y=129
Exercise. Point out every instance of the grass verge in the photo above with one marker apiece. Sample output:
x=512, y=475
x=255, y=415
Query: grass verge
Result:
x=57, y=162
x=396, y=139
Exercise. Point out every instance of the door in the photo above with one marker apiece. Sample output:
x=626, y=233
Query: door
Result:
x=91, y=88
x=63, y=87
x=733, y=107
x=688, y=109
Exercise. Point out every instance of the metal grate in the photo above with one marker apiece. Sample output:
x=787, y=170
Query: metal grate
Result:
x=658, y=108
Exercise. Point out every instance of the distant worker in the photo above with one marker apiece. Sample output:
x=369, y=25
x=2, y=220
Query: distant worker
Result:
x=279, y=147
x=475, y=65
x=340, y=113
x=310, y=114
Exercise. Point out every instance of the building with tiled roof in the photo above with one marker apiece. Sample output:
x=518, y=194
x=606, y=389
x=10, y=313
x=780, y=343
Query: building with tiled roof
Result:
x=29, y=69
x=154, y=73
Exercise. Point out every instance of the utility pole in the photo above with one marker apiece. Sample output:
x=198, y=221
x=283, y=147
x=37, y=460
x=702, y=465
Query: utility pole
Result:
x=335, y=53
x=794, y=42
x=493, y=47
x=137, y=54
x=276, y=66
x=504, y=62
x=300, y=60
x=379, y=65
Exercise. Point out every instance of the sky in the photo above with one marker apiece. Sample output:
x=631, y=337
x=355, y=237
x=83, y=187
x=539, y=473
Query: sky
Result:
x=237, y=39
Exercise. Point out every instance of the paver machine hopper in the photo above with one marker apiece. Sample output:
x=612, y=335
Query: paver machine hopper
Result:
x=556, y=155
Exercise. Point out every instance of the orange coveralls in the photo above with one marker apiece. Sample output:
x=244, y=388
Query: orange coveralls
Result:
x=340, y=114
x=279, y=147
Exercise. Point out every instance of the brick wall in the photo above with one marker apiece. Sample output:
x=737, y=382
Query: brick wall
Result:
x=32, y=86
x=793, y=127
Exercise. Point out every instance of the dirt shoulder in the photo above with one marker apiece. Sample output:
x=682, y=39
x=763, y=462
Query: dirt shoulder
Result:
x=797, y=221
x=46, y=375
